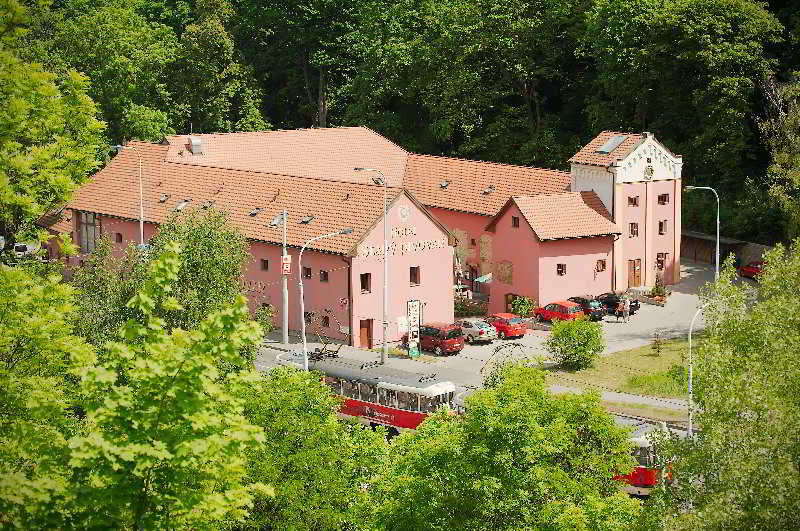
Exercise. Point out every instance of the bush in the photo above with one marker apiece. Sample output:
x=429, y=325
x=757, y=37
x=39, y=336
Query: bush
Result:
x=576, y=344
x=468, y=308
x=523, y=306
x=659, y=290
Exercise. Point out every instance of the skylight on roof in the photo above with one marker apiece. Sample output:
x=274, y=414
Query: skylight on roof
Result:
x=163, y=198
x=306, y=220
x=182, y=204
x=444, y=184
x=611, y=144
x=253, y=213
x=488, y=190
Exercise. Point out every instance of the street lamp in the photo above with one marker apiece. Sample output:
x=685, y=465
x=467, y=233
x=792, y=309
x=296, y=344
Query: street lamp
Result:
x=283, y=219
x=119, y=149
x=691, y=327
x=716, y=270
x=382, y=181
x=302, y=299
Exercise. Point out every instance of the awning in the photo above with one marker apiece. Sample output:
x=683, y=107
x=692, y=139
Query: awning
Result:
x=485, y=278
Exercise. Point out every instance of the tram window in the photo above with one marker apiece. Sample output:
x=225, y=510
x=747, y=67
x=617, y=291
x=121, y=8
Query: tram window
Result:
x=334, y=383
x=428, y=404
x=407, y=401
x=642, y=455
x=368, y=393
x=387, y=397
x=350, y=389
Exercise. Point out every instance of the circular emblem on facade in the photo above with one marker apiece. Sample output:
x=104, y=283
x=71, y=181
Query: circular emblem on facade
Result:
x=648, y=172
x=404, y=212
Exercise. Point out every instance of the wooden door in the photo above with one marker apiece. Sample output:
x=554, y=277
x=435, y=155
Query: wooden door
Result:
x=634, y=273
x=365, y=333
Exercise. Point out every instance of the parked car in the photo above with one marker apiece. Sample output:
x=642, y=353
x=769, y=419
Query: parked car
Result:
x=441, y=338
x=507, y=324
x=751, y=270
x=591, y=307
x=477, y=330
x=562, y=310
x=611, y=301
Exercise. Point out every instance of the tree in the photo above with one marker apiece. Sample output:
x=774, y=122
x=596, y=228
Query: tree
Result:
x=740, y=471
x=164, y=440
x=575, y=344
x=523, y=306
x=50, y=139
x=519, y=458
x=316, y=463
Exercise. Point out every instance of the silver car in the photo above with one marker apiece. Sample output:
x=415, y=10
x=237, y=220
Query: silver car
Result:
x=476, y=330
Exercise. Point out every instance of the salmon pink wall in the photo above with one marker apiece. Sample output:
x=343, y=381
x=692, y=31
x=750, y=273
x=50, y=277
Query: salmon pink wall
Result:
x=109, y=228
x=467, y=227
x=633, y=247
x=664, y=243
x=580, y=256
x=414, y=240
x=519, y=247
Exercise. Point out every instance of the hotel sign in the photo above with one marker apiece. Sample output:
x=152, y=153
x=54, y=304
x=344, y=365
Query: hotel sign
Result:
x=413, y=310
x=403, y=248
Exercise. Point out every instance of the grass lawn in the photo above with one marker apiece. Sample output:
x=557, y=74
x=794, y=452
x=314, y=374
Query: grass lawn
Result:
x=640, y=371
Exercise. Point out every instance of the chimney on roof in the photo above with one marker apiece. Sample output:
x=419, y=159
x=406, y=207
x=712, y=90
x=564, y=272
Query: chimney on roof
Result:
x=196, y=145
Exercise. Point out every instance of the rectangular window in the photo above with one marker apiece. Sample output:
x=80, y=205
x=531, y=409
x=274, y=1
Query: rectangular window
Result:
x=634, y=230
x=662, y=227
x=118, y=237
x=326, y=321
x=663, y=199
x=264, y=265
x=414, y=275
x=309, y=316
x=366, y=282
x=88, y=231
x=323, y=276
x=661, y=260
x=472, y=242
x=633, y=200
x=514, y=221
x=306, y=272
x=561, y=269
x=601, y=265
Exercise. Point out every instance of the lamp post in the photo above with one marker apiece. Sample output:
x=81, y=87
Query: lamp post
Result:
x=283, y=219
x=716, y=270
x=119, y=149
x=691, y=327
x=302, y=297
x=382, y=181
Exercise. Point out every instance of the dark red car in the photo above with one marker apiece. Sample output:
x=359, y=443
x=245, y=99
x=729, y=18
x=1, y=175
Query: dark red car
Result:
x=441, y=338
x=507, y=324
x=563, y=310
x=751, y=270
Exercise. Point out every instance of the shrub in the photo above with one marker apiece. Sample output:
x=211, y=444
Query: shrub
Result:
x=576, y=344
x=523, y=306
x=659, y=290
x=468, y=308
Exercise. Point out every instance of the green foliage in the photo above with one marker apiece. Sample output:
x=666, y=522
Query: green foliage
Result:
x=659, y=290
x=49, y=137
x=575, y=344
x=672, y=382
x=164, y=439
x=316, y=463
x=523, y=306
x=464, y=307
x=747, y=404
x=520, y=458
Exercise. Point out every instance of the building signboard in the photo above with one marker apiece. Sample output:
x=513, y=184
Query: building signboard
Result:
x=413, y=317
x=286, y=264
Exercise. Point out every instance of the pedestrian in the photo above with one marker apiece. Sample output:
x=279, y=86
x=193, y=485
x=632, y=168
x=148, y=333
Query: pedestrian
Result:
x=626, y=309
x=620, y=309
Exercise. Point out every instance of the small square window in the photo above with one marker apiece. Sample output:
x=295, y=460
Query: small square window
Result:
x=306, y=272
x=514, y=221
x=414, y=275
x=326, y=321
x=662, y=227
x=633, y=200
x=264, y=265
x=601, y=265
x=663, y=199
x=366, y=282
x=561, y=269
x=323, y=276
x=472, y=242
x=634, y=230
x=661, y=259
x=118, y=237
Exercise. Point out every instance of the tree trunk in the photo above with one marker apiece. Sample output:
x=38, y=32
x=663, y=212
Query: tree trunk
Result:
x=532, y=106
x=322, y=98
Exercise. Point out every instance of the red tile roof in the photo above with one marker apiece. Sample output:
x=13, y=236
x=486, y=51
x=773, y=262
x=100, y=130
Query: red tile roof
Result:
x=566, y=215
x=335, y=205
x=588, y=153
x=469, y=182
x=326, y=153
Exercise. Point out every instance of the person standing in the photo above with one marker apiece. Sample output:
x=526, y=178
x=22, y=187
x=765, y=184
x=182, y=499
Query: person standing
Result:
x=626, y=309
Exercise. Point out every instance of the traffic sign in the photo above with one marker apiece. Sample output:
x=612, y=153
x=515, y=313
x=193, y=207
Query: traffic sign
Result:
x=286, y=265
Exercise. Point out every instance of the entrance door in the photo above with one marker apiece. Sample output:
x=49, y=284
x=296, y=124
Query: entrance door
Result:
x=634, y=273
x=365, y=333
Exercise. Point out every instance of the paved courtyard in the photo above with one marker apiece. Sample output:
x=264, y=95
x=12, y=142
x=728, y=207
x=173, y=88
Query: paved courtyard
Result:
x=465, y=368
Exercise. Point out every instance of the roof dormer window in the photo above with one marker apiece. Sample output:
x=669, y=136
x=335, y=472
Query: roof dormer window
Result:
x=444, y=184
x=306, y=220
x=163, y=198
x=256, y=211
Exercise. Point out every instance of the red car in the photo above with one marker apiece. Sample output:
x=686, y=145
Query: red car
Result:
x=751, y=270
x=441, y=338
x=563, y=310
x=507, y=324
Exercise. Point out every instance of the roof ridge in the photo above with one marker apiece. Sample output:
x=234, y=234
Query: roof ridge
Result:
x=487, y=162
x=392, y=142
x=266, y=131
